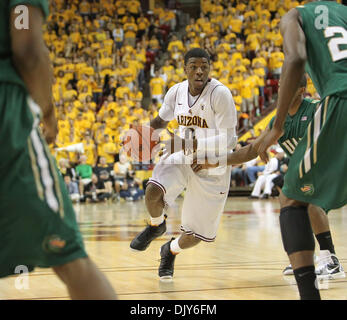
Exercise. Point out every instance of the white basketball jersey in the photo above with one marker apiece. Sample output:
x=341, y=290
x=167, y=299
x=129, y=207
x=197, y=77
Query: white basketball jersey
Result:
x=213, y=109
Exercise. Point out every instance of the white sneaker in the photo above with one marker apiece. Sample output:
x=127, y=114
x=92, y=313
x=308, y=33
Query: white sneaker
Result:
x=328, y=266
x=288, y=271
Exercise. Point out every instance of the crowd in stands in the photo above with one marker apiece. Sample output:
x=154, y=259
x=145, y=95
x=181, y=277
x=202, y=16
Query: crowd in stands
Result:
x=105, y=53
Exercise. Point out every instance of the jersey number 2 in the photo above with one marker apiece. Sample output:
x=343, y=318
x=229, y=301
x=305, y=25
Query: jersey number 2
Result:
x=333, y=44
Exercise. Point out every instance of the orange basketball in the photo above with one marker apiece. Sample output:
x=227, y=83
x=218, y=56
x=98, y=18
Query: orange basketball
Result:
x=139, y=143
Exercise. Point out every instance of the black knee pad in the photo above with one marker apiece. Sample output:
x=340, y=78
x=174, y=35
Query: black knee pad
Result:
x=296, y=230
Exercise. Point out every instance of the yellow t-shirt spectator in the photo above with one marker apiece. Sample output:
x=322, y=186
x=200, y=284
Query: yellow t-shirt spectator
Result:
x=157, y=85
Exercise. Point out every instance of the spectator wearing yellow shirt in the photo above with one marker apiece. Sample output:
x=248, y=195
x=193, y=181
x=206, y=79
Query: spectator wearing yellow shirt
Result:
x=276, y=20
x=69, y=93
x=71, y=112
x=72, y=156
x=138, y=110
x=108, y=43
x=247, y=94
x=82, y=82
x=276, y=62
x=90, y=103
x=123, y=88
x=253, y=40
x=81, y=124
x=260, y=72
x=84, y=8
x=238, y=67
x=128, y=73
x=136, y=95
x=57, y=91
x=157, y=87
x=263, y=21
x=192, y=26
x=275, y=37
x=168, y=67
x=237, y=99
x=88, y=114
x=130, y=31
x=103, y=109
x=224, y=77
x=84, y=93
x=89, y=149
x=142, y=23
x=232, y=84
x=236, y=26
x=260, y=60
x=109, y=150
x=175, y=42
x=63, y=129
x=238, y=78
x=131, y=117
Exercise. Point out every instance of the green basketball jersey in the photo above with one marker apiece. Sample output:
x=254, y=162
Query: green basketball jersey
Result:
x=296, y=125
x=325, y=26
x=8, y=72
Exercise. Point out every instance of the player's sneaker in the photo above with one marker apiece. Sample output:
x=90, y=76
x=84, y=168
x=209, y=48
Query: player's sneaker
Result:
x=167, y=261
x=144, y=239
x=329, y=267
x=288, y=271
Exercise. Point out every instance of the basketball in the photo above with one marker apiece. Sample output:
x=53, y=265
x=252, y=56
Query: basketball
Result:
x=140, y=143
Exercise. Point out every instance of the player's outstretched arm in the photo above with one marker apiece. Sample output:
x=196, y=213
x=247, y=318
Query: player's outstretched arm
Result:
x=31, y=59
x=294, y=46
x=242, y=155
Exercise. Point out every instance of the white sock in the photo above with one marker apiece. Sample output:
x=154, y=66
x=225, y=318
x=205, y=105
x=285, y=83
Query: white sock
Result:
x=174, y=246
x=157, y=221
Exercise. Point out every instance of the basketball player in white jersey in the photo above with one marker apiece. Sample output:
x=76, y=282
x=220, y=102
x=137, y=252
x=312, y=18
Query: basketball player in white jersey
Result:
x=205, y=108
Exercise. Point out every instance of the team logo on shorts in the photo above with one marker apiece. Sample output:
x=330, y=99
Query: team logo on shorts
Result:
x=53, y=243
x=307, y=189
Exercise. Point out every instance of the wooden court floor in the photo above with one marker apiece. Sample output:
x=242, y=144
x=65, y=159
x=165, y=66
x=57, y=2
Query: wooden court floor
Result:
x=245, y=261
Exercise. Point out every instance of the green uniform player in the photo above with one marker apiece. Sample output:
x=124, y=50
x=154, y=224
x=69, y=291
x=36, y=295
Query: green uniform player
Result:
x=300, y=114
x=37, y=221
x=314, y=175
x=295, y=126
x=315, y=38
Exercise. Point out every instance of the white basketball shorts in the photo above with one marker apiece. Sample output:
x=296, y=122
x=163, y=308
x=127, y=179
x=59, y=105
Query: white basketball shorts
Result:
x=204, y=197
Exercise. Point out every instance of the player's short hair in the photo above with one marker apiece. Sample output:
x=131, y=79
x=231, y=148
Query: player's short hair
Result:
x=303, y=81
x=196, y=53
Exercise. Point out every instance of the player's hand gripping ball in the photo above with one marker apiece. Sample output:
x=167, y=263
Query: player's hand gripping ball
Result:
x=141, y=143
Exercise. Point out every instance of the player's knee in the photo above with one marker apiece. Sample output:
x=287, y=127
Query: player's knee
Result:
x=154, y=193
x=296, y=229
x=287, y=202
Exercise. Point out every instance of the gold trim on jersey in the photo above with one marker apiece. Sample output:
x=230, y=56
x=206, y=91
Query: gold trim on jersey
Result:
x=191, y=121
x=307, y=156
x=55, y=178
x=35, y=169
x=317, y=122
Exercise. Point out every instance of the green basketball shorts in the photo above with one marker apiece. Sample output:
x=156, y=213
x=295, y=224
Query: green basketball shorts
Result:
x=318, y=168
x=37, y=221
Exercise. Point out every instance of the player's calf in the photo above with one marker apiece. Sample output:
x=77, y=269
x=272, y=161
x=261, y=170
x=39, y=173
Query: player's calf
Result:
x=298, y=242
x=155, y=204
x=84, y=280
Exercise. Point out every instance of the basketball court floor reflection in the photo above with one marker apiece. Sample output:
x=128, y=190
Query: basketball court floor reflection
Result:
x=244, y=263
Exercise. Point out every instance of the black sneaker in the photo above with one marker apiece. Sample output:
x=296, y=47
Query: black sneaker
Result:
x=166, y=267
x=144, y=239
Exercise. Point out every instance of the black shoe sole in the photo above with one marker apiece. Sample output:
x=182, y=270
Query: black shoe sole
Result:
x=135, y=248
